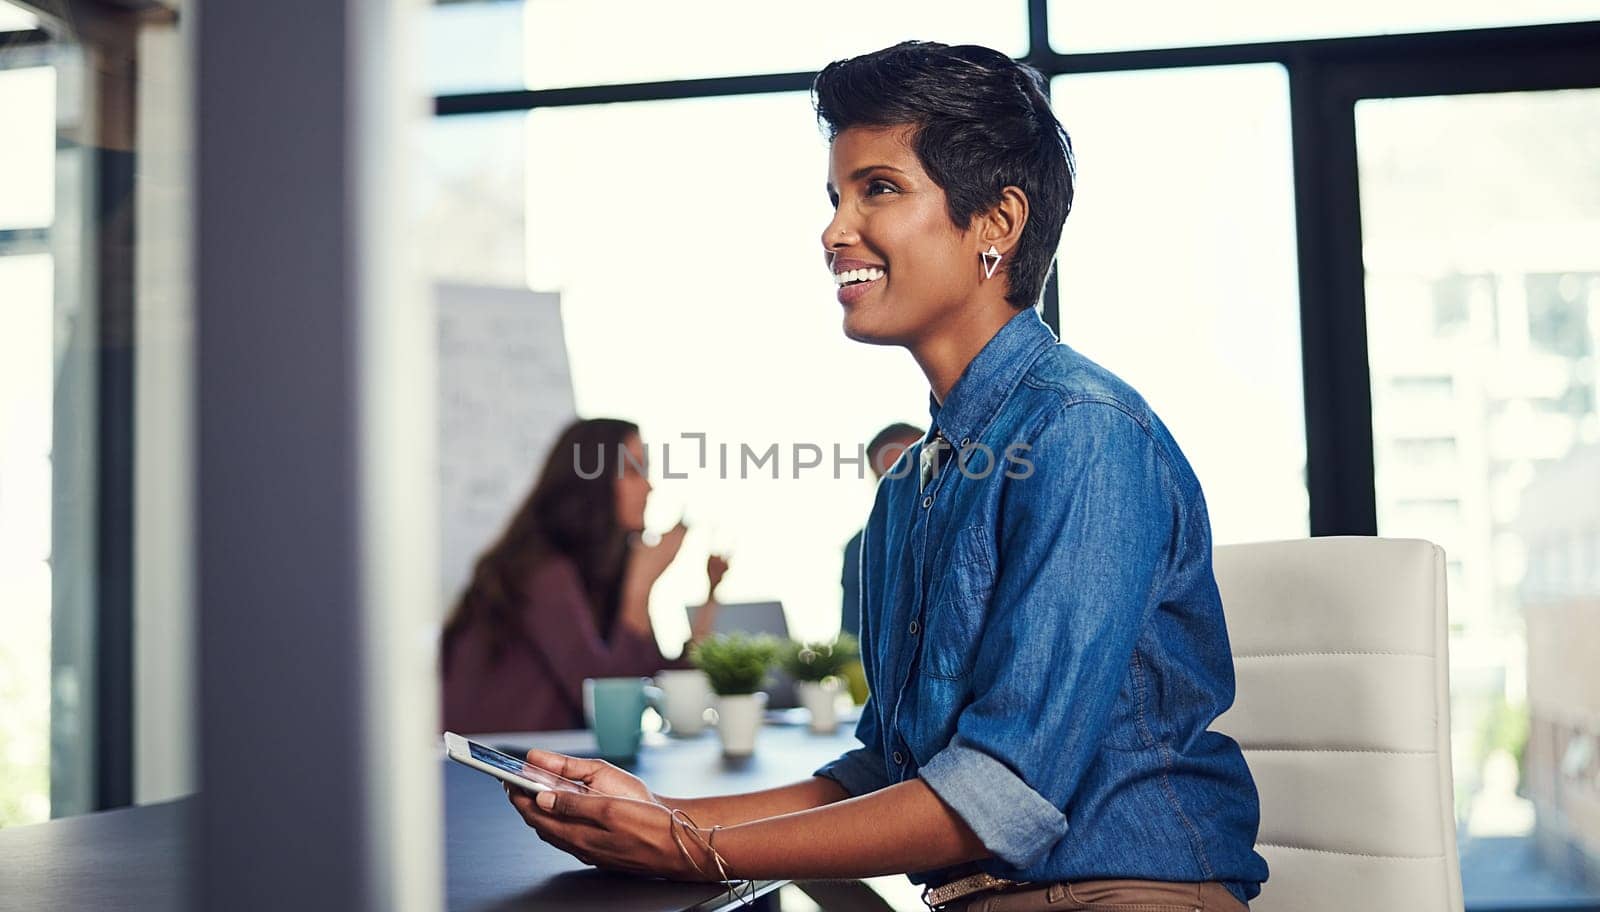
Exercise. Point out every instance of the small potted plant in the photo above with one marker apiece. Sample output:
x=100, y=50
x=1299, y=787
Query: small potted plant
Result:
x=817, y=669
x=737, y=666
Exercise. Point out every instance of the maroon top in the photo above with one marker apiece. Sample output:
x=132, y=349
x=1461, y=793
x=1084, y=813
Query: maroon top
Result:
x=537, y=682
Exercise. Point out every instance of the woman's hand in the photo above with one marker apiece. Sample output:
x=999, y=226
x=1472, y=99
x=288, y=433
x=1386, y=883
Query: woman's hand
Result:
x=621, y=834
x=598, y=775
x=704, y=621
x=716, y=569
x=903, y=827
x=646, y=563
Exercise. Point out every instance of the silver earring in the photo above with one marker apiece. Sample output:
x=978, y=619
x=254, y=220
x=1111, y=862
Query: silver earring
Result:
x=991, y=261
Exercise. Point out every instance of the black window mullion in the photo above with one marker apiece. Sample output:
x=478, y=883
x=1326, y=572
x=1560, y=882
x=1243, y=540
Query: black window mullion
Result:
x=1333, y=324
x=1326, y=82
x=1039, y=53
x=1038, y=30
x=114, y=506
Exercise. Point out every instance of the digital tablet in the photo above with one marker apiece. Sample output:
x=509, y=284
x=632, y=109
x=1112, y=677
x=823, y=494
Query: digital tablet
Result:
x=506, y=767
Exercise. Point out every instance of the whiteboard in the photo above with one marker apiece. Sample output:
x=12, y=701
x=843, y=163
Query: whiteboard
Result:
x=505, y=393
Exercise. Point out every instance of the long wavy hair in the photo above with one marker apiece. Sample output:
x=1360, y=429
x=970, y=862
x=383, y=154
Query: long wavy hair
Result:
x=565, y=514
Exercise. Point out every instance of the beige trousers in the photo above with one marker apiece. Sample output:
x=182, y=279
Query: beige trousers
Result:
x=1104, y=896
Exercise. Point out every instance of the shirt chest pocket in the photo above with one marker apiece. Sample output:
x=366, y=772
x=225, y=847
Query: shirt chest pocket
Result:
x=960, y=597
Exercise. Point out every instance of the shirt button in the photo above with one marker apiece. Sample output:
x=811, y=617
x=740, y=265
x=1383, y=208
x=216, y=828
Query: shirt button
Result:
x=966, y=440
x=899, y=758
x=927, y=502
x=914, y=628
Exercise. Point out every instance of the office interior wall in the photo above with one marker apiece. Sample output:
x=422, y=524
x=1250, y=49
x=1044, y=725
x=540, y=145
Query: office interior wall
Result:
x=163, y=540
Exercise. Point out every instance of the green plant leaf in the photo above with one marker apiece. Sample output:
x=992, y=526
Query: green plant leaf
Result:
x=736, y=663
x=817, y=661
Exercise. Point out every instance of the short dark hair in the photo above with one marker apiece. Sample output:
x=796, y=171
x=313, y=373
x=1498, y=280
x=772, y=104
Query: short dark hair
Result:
x=983, y=122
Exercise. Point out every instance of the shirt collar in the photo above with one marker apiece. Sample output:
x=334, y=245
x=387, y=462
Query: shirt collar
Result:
x=990, y=377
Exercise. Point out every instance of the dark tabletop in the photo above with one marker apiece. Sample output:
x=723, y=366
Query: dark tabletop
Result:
x=133, y=858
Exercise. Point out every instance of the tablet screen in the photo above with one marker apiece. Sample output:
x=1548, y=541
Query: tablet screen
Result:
x=522, y=768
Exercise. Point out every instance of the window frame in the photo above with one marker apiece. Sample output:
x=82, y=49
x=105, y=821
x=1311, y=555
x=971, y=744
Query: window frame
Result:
x=1327, y=76
x=92, y=623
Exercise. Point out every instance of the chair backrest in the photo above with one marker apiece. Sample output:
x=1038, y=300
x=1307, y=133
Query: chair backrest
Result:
x=1343, y=710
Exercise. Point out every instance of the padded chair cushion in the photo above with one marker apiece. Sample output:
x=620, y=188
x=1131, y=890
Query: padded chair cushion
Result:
x=1343, y=710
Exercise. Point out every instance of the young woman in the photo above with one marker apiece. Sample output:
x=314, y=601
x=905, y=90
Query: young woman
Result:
x=1043, y=634
x=564, y=593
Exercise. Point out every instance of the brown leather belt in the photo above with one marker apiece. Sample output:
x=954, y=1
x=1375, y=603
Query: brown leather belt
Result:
x=944, y=894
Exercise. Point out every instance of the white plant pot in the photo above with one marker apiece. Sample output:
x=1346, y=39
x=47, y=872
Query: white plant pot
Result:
x=821, y=699
x=738, y=719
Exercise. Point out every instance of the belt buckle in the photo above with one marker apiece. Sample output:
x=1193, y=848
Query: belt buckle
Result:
x=937, y=897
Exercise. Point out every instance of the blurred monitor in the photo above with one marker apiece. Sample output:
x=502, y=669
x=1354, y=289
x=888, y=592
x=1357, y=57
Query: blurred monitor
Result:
x=754, y=618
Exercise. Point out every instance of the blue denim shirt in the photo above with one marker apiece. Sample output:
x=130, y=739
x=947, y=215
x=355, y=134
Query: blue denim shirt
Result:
x=1043, y=636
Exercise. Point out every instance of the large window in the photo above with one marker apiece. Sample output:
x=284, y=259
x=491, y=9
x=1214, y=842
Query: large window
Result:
x=667, y=310
x=474, y=45
x=27, y=201
x=95, y=336
x=1481, y=226
x=27, y=371
x=1177, y=271
x=14, y=18
x=25, y=422
x=27, y=157
x=1075, y=27
x=695, y=300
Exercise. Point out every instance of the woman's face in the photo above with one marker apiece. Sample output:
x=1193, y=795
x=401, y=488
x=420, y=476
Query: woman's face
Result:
x=632, y=486
x=890, y=214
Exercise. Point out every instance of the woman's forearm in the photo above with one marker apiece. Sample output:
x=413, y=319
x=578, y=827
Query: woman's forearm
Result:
x=634, y=607
x=703, y=621
x=905, y=827
x=730, y=810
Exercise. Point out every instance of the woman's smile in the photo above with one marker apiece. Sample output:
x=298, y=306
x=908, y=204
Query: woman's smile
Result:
x=855, y=278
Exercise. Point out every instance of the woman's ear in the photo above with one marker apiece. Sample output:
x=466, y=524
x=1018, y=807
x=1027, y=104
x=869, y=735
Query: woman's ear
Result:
x=1002, y=225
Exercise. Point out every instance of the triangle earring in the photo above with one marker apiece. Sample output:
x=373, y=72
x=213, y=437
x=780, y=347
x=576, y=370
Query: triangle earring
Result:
x=991, y=261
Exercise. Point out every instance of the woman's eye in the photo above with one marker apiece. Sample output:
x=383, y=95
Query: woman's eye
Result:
x=875, y=185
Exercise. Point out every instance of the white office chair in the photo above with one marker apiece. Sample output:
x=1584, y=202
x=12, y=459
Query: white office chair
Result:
x=1343, y=711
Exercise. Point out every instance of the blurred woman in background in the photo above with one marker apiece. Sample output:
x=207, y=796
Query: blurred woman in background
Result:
x=563, y=594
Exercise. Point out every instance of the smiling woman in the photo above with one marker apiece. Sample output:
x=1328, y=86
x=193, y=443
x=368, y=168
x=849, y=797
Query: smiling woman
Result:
x=1045, y=648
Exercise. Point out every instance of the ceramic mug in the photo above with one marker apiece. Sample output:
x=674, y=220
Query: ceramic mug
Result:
x=614, y=708
x=685, y=696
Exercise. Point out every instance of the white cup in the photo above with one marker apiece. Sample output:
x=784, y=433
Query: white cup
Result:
x=685, y=695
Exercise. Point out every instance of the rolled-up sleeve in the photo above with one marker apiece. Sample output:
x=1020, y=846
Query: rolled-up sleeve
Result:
x=1085, y=540
x=861, y=770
